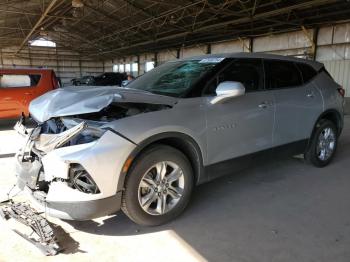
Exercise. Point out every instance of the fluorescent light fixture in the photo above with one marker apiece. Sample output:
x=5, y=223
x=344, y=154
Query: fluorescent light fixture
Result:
x=42, y=42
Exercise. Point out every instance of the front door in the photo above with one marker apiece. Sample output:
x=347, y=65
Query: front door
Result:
x=242, y=125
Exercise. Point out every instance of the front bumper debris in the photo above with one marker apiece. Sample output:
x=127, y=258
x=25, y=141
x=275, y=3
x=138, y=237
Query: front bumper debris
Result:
x=71, y=181
x=44, y=238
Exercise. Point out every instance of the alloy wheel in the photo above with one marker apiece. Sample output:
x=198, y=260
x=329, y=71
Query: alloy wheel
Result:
x=161, y=188
x=326, y=144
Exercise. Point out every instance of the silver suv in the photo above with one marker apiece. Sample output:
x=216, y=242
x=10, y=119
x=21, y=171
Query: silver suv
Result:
x=143, y=148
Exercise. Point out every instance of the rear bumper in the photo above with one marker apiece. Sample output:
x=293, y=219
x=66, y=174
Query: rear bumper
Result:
x=76, y=210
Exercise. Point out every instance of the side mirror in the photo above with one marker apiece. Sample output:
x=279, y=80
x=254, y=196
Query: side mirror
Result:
x=125, y=83
x=227, y=90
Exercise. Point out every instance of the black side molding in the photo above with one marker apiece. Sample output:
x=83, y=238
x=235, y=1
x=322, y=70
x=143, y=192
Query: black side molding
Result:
x=243, y=162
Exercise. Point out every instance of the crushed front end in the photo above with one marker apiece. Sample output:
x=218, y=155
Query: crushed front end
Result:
x=70, y=167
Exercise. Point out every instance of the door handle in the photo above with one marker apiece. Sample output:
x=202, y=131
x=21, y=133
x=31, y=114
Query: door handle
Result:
x=310, y=95
x=263, y=105
x=28, y=93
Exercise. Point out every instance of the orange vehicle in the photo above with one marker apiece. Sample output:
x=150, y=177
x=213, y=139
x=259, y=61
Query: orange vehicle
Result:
x=18, y=87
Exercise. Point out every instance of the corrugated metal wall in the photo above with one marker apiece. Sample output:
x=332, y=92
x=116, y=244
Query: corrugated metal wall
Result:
x=230, y=46
x=340, y=70
x=290, y=44
x=66, y=64
x=332, y=48
x=166, y=55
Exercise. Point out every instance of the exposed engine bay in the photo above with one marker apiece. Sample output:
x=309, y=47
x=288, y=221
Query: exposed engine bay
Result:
x=85, y=128
x=116, y=111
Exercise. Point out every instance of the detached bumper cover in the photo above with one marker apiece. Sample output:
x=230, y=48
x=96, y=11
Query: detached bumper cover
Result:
x=46, y=240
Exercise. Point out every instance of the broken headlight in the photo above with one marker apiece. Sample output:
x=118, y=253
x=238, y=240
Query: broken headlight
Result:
x=91, y=132
x=80, y=179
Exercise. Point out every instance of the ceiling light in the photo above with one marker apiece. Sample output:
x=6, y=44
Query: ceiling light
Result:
x=77, y=3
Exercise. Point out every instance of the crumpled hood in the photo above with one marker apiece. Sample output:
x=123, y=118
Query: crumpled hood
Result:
x=83, y=100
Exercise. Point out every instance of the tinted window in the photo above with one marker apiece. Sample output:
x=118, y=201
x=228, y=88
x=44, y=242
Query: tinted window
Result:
x=13, y=80
x=307, y=72
x=281, y=74
x=246, y=71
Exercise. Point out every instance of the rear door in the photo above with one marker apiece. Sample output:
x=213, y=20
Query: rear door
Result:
x=297, y=104
x=311, y=98
x=16, y=91
x=244, y=124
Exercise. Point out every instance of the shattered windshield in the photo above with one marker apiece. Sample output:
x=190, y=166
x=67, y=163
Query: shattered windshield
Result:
x=174, y=78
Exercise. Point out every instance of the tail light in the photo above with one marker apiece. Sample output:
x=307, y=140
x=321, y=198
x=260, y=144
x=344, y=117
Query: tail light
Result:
x=341, y=91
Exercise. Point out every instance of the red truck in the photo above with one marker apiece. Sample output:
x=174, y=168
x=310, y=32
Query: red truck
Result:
x=18, y=87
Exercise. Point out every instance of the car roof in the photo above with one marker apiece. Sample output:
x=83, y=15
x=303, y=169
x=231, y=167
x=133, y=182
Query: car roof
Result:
x=316, y=65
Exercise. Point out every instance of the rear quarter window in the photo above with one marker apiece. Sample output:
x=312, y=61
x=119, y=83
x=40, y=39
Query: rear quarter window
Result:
x=307, y=72
x=19, y=80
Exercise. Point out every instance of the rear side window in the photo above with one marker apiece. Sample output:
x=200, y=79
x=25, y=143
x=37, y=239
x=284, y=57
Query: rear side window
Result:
x=306, y=71
x=281, y=74
x=15, y=81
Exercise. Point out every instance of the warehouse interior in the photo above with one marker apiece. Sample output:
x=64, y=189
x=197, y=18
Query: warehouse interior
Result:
x=104, y=36
x=288, y=212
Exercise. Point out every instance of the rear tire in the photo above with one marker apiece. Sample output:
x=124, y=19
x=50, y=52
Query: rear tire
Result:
x=323, y=144
x=158, y=186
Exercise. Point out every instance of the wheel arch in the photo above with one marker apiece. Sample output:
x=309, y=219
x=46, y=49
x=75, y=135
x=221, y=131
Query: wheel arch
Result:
x=182, y=142
x=332, y=115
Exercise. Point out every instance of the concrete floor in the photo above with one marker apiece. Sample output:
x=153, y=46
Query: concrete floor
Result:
x=280, y=211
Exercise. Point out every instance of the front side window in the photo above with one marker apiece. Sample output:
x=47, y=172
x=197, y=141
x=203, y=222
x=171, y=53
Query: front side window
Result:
x=281, y=74
x=246, y=71
x=175, y=78
x=15, y=81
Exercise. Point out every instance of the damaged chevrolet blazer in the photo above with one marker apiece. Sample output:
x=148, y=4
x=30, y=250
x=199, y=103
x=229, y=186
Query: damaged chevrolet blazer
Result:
x=143, y=148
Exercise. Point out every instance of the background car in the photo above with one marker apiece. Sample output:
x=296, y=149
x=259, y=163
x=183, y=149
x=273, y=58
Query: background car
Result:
x=18, y=87
x=85, y=80
x=109, y=79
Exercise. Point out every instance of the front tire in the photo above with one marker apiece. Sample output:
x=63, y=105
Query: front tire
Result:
x=323, y=144
x=158, y=186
